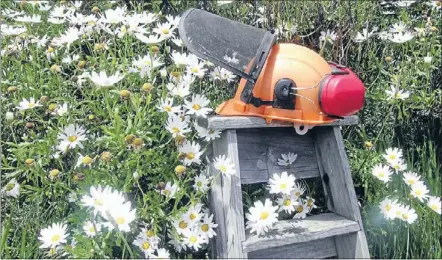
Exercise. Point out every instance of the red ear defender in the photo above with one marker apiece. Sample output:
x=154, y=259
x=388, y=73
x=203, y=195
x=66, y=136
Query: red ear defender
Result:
x=342, y=93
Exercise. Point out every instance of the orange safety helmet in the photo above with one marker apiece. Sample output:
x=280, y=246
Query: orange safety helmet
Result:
x=286, y=82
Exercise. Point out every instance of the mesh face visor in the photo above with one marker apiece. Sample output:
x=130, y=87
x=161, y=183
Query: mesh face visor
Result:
x=239, y=48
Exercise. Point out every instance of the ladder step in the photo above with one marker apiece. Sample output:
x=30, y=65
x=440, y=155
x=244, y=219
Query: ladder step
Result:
x=300, y=231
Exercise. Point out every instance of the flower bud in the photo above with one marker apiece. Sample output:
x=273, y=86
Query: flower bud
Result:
x=163, y=73
x=388, y=58
x=9, y=116
x=161, y=185
x=95, y=9
x=29, y=162
x=106, y=156
x=29, y=125
x=129, y=138
x=147, y=87
x=180, y=169
x=125, y=94
x=52, y=107
x=44, y=98
x=12, y=89
x=81, y=64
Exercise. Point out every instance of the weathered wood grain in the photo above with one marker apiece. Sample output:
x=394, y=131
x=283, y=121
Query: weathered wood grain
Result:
x=227, y=201
x=321, y=248
x=260, y=149
x=238, y=122
x=299, y=231
x=334, y=163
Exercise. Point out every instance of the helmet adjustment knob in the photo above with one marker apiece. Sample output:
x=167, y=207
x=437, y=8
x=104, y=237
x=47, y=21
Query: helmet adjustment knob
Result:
x=284, y=94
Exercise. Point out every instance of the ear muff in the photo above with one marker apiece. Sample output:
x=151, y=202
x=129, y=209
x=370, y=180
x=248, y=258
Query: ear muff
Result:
x=342, y=93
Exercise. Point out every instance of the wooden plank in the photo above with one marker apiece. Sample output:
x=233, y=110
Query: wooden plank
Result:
x=299, y=231
x=228, y=190
x=260, y=149
x=321, y=248
x=334, y=163
x=219, y=122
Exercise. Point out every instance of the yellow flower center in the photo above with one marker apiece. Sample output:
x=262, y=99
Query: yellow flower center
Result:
x=182, y=224
x=193, y=239
x=264, y=215
x=150, y=233
x=29, y=161
x=411, y=182
x=199, y=184
x=120, y=220
x=165, y=31
x=137, y=141
x=435, y=207
x=310, y=203
x=287, y=202
x=418, y=193
x=388, y=207
x=31, y=105
x=381, y=174
x=398, y=213
x=146, y=245
x=86, y=160
x=168, y=108
x=195, y=69
x=196, y=107
x=283, y=186
x=166, y=192
x=193, y=216
x=392, y=157
x=405, y=216
x=55, y=238
x=10, y=186
x=205, y=227
x=54, y=172
x=50, y=50
x=91, y=229
x=147, y=62
x=190, y=156
x=299, y=209
x=223, y=168
x=72, y=138
x=98, y=202
x=176, y=130
x=298, y=194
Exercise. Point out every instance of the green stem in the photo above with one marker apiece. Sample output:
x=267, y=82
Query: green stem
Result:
x=408, y=241
x=126, y=245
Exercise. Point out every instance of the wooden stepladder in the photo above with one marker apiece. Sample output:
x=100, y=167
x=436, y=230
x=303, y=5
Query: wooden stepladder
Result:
x=254, y=147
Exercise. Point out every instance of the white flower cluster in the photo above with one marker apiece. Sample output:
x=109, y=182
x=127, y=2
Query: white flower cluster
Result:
x=391, y=208
x=262, y=216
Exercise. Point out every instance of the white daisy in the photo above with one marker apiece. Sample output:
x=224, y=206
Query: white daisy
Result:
x=435, y=204
x=398, y=165
x=207, y=227
x=193, y=215
x=298, y=190
x=71, y=137
x=419, y=191
x=428, y=59
x=181, y=226
x=122, y=215
x=381, y=172
x=287, y=159
x=223, y=164
x=180, y=59
x=84, y=161
x=287, y=203
x=194, y=239
x=102, y=80
x=101, y=199
x=201, y=183
x=411, y=178
x=53, y=236
x=198, y=106
x=409, y=215
x=166, y=105
x=162, y=253
x=387, y=207
x=10, y=30
x=195, y=67
x=149, y=40
x=90, y=229
x=395, y=93
x=177, y=126
x=329, y=36
x=261, y=217
x=114, y=16
x=310, y=202
x=12, y=188
x=398, y=211
x=180, y=89
x=191, y=152
x=401, y=37
x=170, y=190
x=165, y=30
x=392, y=154
x=60, y=110
x=365, y=35
x=232, y=59
x=301, y=211
x=25, y=104
x=207, y=134
x=281, y=183
x=145, y=243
